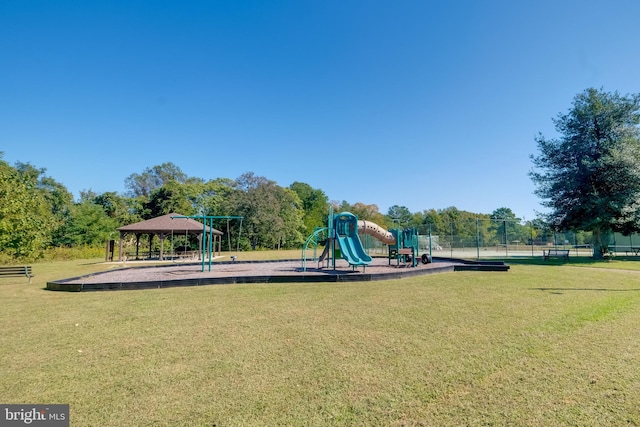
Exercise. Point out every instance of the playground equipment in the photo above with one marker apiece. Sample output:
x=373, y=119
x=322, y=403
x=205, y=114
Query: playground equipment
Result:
x=207, y=249
x=405, y=247
x=346, y=235
x=340, y=239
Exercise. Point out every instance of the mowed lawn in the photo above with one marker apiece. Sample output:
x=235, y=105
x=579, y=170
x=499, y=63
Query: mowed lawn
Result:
x=544, y=345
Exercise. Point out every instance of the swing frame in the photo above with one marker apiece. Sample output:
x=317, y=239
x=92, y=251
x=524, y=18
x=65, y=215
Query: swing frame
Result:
x=207, y=220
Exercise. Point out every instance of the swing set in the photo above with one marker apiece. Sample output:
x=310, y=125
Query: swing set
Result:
x=207, y=249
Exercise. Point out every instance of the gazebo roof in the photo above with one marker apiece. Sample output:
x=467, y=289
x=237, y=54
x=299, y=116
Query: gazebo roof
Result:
x=166, y=224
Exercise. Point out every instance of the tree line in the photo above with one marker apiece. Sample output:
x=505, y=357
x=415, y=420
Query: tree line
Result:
x=38, y=213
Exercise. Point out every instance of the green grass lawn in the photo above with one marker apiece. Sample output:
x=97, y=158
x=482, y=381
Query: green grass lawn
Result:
x=540, y=345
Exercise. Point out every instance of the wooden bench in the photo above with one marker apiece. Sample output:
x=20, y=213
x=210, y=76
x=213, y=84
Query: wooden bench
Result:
x=24, y=270
x=556, y=253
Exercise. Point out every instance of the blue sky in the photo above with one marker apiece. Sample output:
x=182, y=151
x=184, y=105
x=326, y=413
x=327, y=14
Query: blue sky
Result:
x=420, y=104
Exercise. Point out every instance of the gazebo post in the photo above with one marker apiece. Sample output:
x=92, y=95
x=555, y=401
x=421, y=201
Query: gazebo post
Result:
x=120, y=247
x=138, y=235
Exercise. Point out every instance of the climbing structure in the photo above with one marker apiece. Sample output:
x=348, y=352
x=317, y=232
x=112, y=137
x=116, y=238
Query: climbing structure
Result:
x=340, y=240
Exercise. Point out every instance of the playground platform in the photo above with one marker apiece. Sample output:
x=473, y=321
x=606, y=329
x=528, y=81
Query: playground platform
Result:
x=289, y=271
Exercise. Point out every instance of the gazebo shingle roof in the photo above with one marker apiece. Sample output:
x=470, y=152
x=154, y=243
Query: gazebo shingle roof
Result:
x=166, y=224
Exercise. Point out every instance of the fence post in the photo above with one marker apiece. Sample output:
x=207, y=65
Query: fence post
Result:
x=477, y=239
x=533, y=241
x=451, y=243
x=506, y=239
x=430, y=243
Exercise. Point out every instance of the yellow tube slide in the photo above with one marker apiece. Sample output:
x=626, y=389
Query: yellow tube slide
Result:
x=376, y=231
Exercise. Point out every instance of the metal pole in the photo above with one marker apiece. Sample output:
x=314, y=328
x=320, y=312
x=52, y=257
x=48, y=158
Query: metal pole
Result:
x=477, y=239
x=451, y=243
x=209, y=219
x=204, y=242
x=506, y=241
x=210, y=240
x=533, y=242
x=332, y=240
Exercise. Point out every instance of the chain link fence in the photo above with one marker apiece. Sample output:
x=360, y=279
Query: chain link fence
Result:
x=490, y=238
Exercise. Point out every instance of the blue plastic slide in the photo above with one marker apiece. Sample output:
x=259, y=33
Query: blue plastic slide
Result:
x=352, y=250
x=346, y=225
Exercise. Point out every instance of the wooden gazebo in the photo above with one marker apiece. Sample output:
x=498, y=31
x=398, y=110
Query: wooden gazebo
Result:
x=168, y=225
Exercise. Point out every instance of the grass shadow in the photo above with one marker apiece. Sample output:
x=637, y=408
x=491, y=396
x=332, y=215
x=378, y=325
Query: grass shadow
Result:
x=585, y=261
x=558, y=290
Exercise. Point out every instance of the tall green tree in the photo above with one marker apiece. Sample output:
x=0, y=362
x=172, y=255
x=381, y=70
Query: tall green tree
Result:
x=589, y=176
x=505, y=225
x=216, y=198
x=88, y=225
x=364, y=212
x=26, y=218
x=172, y=196
x=272, y=214
x=290, y=233
x=458, y=227
x=429, y=221
x=315, y=205
x=144, y=183
x=400, y=215
x=59, y=199
x=122, y=209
